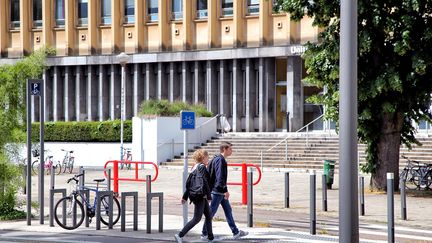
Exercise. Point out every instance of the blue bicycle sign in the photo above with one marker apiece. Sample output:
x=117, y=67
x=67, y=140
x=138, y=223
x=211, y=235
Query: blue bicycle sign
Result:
x=35, y=88
x=187, y=120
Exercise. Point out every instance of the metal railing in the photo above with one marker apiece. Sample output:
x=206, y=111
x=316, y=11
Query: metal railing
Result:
x=286, y=140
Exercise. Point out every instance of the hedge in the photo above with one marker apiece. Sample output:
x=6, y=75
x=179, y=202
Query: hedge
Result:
x=165, y=108
x=88, y=131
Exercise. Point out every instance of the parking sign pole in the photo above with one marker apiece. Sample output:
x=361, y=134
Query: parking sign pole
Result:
x=28, y=186
x=42, y=150
x=185, y=175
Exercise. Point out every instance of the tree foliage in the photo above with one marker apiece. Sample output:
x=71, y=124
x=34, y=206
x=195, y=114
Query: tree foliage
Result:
x=394, y=69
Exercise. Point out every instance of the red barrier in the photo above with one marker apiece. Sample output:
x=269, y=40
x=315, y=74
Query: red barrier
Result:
x=243, y=183
x=116, y=178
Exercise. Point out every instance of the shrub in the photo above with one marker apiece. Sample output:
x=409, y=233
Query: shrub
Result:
x=166, y=108
x=10, y=181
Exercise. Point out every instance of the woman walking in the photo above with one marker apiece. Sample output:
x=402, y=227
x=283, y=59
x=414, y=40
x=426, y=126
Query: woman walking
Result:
x=198, y=192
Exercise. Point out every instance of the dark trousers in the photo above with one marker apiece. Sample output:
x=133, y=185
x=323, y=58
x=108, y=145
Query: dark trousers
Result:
x=201, y=207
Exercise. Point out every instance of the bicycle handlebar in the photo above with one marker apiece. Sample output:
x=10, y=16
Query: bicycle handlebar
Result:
x=74, y=178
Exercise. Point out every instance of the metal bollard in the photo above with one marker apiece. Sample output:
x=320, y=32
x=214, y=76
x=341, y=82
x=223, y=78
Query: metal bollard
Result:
x=82, y=178
x=287, y=191
x=324, y=193
x=86, y=192
x=312, y=203
x=149, y=196
x=108, y=180
x=390, y=208
x=250, y=200
x=123, y=210
x=51, y=205
x=403, y=199
x=362, y=199
x=51, y=200
x=98, y=209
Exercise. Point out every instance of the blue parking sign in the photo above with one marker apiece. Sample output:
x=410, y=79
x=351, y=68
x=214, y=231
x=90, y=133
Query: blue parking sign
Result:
x=35, y=88
x=187, y=120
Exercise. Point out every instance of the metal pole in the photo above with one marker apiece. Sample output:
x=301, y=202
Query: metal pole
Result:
x=390, y=208
x=51, y=199
x=362, y=199
x=348, y=170
x=403, y=199
x=28, y=185
x=185, y=175
x=324, y=193
x=122, y=109
x=250, y=200
x=286, y=149
x=148, y=201
x=312, y=208
x=42, y=148
x=286, y=189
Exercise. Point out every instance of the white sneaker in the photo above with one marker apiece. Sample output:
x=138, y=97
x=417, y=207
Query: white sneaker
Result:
x=240, y=234
x=178, y=238
x=204, y=237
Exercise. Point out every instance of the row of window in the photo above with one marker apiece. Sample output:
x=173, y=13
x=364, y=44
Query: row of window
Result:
x=128, y=10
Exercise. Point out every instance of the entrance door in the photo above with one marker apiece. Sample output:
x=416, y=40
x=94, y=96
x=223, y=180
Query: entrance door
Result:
x=281, y=106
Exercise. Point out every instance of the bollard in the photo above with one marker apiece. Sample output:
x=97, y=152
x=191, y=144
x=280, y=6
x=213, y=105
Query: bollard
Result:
x=108, y=180
x=82, y=178
x=123, y=210
x=99, y=196
x=51, y=205
x=324, y=193
x=287, y=190
x=312, y=203
x=390, y=208
x=362, y=199
x=250, y=200
x=403, y=199
x=244, y=184
x=51, y=201
x=86, y=192
x=149, y=196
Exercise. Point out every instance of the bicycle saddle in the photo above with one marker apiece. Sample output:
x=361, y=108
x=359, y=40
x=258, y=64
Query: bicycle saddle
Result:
x=99, y=180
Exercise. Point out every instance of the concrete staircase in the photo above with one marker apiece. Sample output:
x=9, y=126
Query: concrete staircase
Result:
x=303, y=152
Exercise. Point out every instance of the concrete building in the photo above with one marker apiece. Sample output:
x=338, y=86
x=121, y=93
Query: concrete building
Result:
x=238, y=57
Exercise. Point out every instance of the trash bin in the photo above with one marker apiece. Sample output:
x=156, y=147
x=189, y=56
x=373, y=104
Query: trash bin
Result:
x=329, y=166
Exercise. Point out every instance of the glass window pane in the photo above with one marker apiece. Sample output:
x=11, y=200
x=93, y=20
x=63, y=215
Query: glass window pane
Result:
x=15, y=14
x=129, y=7
x=82, y=9
x=176, y=6
x=227, y=3
x=201, y=4
x=106, y=12
x=253, y=2
x=60, y=11
x=152, y=10
x=37, y=10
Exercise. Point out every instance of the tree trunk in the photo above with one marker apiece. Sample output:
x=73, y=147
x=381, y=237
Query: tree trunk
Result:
x=388, y=151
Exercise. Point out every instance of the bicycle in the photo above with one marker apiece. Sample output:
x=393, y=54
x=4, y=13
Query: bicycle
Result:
x=47, y=165
x=416, y=174
x=127, y=157
x=73, y=209
x=68, y=161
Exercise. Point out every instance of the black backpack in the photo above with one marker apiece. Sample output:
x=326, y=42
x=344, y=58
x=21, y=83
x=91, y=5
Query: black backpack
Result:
x=196, y=185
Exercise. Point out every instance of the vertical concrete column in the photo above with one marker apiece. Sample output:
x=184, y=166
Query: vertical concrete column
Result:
x=48, y=102
x=25, y=26
x=115, y=92
x=162, y=82
x=262, y=100
x=199, y=84
x=212, y=87
x=264, y=20
x=140, y=27
x=237, y=95
x=3, y=28
x=57, y=94
x=250, y=95
x=103, y=93
x=69, y=90
x=70, y=30
x=138, y=88
x=187, y=86
x=224, y=89
x=47, y=20
x=93, y=30
x=174, y=83
x=164, y=27
x=213, y=23
x=150, y=82
x=78, y=77
x=128, y=91
x=187, y=24
x=270, y=80
x=294, y=93
x=92, y=93
x=117, y=26
x=239, y=24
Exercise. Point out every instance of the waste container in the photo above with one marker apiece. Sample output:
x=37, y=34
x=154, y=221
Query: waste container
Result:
x=329, y=166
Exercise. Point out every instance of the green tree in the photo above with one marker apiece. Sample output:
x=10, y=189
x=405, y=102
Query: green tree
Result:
x=394, y=72
x=13, y=120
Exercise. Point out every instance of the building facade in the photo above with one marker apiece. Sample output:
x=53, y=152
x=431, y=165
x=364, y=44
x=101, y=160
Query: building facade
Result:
x=240, y=58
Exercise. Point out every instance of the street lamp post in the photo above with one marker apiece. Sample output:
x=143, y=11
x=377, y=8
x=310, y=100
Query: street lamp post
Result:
x=123, y=59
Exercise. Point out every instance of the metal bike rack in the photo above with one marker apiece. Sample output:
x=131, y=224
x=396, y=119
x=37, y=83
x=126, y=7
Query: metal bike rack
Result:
x=51, y=205
x=123, y=210
x=150, y=196
x=86, y=192
x=98, y=209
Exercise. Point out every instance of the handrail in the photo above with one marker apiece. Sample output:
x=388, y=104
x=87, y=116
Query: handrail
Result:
x=310, y=123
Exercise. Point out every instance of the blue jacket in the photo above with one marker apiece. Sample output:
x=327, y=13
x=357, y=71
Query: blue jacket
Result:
x=218, y=170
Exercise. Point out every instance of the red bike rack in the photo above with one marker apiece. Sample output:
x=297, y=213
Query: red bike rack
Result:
x=116, y=177
x=243, y=183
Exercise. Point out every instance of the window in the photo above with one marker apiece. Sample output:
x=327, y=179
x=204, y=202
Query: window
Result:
x=152, y=10
x=82, y=12
x=227, y=7
x=129, y=11
x=15, y=14
x=176, y=6
x=253, y=7
x=106, y=12
x=60, y=12
x=202, y=9
x=37, y=13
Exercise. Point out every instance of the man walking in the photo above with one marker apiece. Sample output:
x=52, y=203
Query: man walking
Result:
x=218, y=170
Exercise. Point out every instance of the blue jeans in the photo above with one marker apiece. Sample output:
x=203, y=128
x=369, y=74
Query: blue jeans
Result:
x=217, y=200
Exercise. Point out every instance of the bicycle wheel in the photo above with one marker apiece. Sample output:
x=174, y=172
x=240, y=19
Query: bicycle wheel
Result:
x=35, y=167
x=105, y=210
x=64, y=165
x=71, y=165
x=414, y=177
x=58, y=169
x=64, y=213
